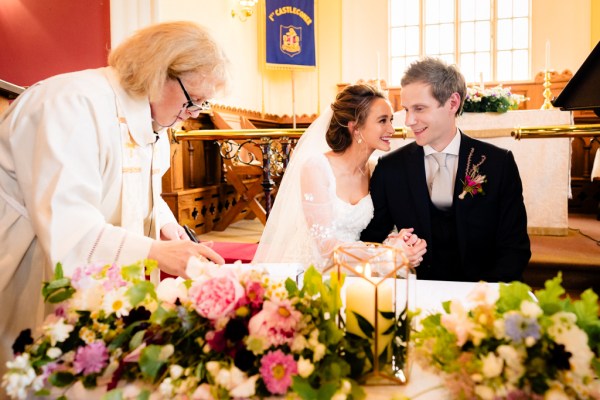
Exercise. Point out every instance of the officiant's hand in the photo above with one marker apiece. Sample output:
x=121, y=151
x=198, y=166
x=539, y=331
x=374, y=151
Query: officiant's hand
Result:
x=173, y=255
x=172, y=231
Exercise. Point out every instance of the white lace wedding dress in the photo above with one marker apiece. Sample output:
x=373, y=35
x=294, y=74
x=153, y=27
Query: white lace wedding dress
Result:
x=324, y=220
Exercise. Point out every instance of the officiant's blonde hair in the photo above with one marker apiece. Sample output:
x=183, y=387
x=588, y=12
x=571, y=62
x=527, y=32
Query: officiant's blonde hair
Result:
x=146, y=60
x=443, y=78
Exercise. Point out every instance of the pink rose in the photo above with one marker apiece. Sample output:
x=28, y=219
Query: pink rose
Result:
x=216, y=296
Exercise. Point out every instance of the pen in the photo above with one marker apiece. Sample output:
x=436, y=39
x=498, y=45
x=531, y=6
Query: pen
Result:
x=191, y=234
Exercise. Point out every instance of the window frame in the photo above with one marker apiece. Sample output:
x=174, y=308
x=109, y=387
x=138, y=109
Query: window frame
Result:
x=492, y=75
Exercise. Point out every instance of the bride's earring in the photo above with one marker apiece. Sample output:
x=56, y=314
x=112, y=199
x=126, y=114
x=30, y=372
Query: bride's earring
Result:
x=359, y=139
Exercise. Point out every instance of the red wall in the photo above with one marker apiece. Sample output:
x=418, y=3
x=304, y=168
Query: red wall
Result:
x=41, y=38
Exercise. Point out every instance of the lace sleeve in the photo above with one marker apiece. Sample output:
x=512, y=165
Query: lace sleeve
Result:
x=318, y=195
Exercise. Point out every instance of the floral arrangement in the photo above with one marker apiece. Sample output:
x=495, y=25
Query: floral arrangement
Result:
x=497, y=99
x=474, y=181
x=229, y=332
x=503, y=344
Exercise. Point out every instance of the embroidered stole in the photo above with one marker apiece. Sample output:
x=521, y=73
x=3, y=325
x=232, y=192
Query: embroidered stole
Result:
x=132, y=218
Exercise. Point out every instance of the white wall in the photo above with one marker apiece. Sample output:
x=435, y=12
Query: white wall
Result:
x=350, y=33
x=567, y=26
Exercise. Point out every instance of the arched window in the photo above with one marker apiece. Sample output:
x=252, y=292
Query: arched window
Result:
x=488, y=39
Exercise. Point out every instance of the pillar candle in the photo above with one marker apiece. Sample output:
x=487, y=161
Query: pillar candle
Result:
x=360, y=298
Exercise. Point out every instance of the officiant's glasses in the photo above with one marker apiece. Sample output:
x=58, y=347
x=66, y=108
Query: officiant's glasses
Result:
x=190, y=105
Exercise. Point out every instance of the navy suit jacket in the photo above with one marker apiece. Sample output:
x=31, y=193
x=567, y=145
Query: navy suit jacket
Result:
x=491, y=229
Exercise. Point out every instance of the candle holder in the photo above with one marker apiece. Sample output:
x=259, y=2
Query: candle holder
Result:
x=377, y=288
x=547, y=92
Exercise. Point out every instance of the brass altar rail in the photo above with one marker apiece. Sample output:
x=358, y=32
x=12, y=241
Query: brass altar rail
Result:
x=249, y=134
x=556, y=131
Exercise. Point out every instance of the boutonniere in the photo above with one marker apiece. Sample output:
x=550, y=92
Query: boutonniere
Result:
x=473, y=179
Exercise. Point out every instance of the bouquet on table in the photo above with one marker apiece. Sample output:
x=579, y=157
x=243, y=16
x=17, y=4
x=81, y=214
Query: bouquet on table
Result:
x=228, y=332
x=506, y=345
x=496, y=99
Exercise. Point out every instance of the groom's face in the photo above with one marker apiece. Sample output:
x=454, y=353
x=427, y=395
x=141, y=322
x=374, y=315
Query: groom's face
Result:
x=432, y=123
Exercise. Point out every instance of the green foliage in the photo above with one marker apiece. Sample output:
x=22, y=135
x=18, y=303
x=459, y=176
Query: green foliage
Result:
x=152, y=360
x=511, y=296
x=59, y=289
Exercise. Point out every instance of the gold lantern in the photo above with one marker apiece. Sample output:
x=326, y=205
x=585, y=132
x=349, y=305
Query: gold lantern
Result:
x=378, y=286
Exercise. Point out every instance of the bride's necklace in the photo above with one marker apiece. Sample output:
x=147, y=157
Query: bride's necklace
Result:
x=363, y=170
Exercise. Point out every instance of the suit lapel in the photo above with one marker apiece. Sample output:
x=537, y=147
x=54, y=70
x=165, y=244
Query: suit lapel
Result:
x=415, y=168
x=461, y=206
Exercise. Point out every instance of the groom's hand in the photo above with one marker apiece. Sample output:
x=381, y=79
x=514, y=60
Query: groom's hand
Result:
x=413, y=246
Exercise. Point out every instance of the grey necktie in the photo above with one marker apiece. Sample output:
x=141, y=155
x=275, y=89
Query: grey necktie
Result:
x=441, y=187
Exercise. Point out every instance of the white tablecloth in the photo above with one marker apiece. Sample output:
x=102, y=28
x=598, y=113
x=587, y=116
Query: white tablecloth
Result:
x=544, y=164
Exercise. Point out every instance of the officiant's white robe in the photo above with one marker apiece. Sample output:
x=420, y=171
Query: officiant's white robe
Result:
x=61, y=174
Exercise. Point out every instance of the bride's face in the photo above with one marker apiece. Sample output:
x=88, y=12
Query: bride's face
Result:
x=377, y=129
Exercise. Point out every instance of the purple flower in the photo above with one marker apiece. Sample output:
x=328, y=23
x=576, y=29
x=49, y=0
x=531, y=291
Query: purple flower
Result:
x=518, y=327
x=276, y=370
x=91, y=358
x=115, y=280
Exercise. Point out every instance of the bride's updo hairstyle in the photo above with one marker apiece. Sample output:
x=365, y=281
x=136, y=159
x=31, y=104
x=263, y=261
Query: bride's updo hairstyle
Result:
x=351, y=104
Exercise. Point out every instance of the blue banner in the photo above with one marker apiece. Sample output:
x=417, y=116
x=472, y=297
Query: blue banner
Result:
x=290, y=33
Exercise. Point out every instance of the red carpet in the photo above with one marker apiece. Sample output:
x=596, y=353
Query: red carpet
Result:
x=232, y=251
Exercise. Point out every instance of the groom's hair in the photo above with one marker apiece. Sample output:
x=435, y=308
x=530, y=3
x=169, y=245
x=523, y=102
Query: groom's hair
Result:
x=351, y=104
x=444, y=79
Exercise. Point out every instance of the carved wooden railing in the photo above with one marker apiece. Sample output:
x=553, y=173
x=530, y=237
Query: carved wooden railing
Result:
x=239, y=160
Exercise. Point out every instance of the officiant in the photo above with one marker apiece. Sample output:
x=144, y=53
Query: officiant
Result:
x=81, y=160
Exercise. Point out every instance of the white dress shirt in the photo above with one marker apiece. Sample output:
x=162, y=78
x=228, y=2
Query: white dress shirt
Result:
x=451, y=160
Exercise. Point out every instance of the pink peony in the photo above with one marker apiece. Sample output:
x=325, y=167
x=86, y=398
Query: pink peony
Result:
x=91, y=358
x=276, y=322
x=217, y=296
x=276, y=370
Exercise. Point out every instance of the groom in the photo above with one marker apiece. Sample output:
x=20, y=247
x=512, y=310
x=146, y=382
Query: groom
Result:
x=463, y=196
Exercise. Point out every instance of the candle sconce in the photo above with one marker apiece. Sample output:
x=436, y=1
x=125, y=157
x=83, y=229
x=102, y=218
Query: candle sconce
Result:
x=379, y=283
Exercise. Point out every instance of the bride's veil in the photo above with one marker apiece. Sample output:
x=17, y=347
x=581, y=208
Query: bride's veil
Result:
x=286, y=236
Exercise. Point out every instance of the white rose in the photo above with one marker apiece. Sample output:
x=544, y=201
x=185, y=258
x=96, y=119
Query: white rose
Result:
x=513, y=361
x=213, y=367
x=492, y=365
x=166, y=388
x=202, y=392
x=175, y=371
x=555, y=394
x=346, y=386
x=223, y=379
x=565, y=332
x=54, y=352
x=245, y=389
x=530, y=341
x=237, y=376
x=298, y=344
x=305, y=367
x=170, y=289
x=319, y=352
x=484, y=392
x=531, y=309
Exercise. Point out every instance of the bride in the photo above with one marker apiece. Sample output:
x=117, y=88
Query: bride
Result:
x=324, y=195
